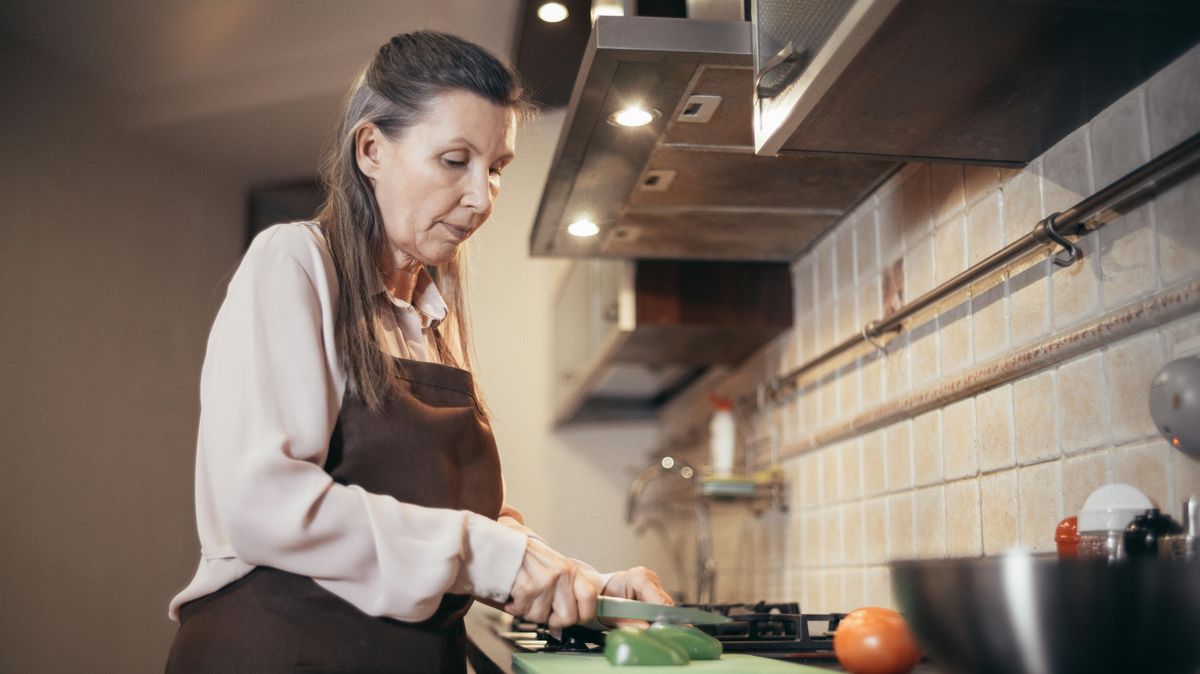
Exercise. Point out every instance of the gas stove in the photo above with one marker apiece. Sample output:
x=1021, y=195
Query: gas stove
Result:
x=772, y=630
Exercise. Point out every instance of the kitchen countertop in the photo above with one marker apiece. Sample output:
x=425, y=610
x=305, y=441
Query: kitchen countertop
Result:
x=490, y=654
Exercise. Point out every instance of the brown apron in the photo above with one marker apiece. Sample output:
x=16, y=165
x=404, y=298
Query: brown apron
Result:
x=432, y=447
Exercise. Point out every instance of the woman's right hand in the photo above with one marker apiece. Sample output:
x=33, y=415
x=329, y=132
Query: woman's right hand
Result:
x=551, y=589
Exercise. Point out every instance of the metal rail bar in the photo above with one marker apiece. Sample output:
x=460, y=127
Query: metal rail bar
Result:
x=1086, y=216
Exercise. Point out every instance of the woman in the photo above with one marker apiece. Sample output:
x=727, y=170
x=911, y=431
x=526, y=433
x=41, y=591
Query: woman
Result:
x=348, y=490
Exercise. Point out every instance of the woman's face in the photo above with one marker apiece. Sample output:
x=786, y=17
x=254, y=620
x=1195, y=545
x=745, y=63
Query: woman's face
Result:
x=436, y=183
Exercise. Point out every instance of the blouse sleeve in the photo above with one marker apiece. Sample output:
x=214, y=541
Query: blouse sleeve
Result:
x=269, y=402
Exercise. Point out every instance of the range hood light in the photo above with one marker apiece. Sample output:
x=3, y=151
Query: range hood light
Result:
x=552, y=12
x=583, y=228
x=607, y=8
x=633, y=115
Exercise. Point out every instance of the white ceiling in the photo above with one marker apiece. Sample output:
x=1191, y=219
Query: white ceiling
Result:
x=245, y=88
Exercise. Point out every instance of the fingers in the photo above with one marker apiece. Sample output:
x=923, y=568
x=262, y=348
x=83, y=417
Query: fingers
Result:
x=638, y=583
x=551, y=589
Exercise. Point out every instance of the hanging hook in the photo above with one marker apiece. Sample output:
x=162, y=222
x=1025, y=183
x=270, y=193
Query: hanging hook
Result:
x=1071, y=250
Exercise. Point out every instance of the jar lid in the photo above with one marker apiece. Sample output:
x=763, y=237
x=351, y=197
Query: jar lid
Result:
x=1112, y=507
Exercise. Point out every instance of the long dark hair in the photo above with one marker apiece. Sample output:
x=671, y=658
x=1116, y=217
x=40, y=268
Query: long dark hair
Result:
x=394, y=93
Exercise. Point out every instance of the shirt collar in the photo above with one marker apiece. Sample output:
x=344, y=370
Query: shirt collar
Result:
x=427, y=299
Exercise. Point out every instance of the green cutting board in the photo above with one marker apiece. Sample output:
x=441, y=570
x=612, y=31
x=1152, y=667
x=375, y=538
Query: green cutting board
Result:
x=735, y=663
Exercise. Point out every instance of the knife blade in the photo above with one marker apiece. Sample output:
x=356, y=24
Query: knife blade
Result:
x=615, y=607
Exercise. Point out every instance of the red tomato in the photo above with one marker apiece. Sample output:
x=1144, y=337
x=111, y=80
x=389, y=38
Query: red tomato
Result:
x=875, y=640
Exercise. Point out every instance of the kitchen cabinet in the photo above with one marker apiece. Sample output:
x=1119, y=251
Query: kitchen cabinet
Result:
x=631, y=333
x=985, y=81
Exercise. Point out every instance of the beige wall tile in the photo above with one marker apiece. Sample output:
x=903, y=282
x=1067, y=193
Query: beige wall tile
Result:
x=1081, y=475
x=802, y=282
x=1082, y=404
x=979, y=182
x=834, y=591
x=1076, y=289
x=810, y=401
x=879, y=588
x=923, y=353
x=963, y=527
x=1131, y=365
x=869, y=304
x=852, y=469
x=811, y=473
x=813, y=595
x=998, y=504
x=946, y=190
x=1146, y=466
x=899, y=456
x=1173, y=100
x=827, y=400
x=954, y=339
x=1127, y=257
x=871, y=380
x=875, y=531
x=994, y=417
x=1029, y=303
x=985, y=228
x=1178, y=235
x=831, y=478
x=855, y=584
x=989, y=323
x=847, y=392
x=844, y=268
x=826, y=323
x=1039, y=492
x=959, y=455
x=900, y=541
x=927, y=448
x=847, y=315
x=810, y=540
x=1118, y=137
x=950, y=246
x=866, y=247
x=1035, y=414
x=929, y=520
x=824, y=260
x=1185, y=476
x=1182, y=338
x=896, y=367
x=919, y=269
x=1066, y=172
x=874, y=467
x=852, y=533
x=1022, y=201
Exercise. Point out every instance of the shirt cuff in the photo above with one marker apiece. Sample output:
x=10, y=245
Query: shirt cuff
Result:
x=493, y=558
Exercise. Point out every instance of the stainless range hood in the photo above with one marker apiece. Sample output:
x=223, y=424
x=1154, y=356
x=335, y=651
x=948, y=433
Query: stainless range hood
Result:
x=688, y=185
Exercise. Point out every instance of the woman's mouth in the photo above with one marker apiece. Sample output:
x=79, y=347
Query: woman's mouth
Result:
x=460, y=233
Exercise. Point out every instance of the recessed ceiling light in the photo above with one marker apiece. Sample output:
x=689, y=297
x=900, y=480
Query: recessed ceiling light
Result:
x=552, y=12
x=583, y=228
x=633, y=115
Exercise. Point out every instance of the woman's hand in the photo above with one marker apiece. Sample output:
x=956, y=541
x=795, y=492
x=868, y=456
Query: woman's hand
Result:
x=637, y=583
x=551, y=589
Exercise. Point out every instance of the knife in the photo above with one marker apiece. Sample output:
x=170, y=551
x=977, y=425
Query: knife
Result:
x=615, y=607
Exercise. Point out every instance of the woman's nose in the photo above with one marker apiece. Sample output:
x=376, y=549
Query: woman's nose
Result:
x=478, y=194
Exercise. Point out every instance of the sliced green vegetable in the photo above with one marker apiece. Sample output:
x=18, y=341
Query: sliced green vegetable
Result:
x=629, y=646
x=698, y=644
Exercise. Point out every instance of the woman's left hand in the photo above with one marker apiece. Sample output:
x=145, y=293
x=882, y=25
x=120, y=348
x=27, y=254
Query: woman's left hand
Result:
x=637, y=583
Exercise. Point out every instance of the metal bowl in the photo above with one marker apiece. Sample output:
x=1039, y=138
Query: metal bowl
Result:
x=1026, y=614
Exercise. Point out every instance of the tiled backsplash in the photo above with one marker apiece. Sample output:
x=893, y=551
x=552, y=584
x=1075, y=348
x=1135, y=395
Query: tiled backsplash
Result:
x=1000, y=468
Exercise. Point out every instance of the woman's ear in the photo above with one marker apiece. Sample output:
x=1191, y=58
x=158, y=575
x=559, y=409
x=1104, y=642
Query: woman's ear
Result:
x=367, y=148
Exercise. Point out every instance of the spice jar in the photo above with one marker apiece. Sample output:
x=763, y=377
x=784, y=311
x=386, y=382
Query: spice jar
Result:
x=1102, y=521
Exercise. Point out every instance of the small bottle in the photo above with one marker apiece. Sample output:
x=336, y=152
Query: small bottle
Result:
x=721, y=435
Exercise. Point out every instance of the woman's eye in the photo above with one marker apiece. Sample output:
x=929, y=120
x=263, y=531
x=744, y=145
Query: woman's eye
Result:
x=455, y=163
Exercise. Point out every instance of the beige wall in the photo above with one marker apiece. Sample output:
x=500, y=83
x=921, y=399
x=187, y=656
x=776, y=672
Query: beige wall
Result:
x=110, y=272
x=1002, y=467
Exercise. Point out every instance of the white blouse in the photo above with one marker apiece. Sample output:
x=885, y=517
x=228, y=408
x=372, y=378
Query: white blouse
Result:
x=270, y=392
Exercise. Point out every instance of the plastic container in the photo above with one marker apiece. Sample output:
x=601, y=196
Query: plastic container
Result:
x=1105, y=514
x=1066, y=537
x=721, y=435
